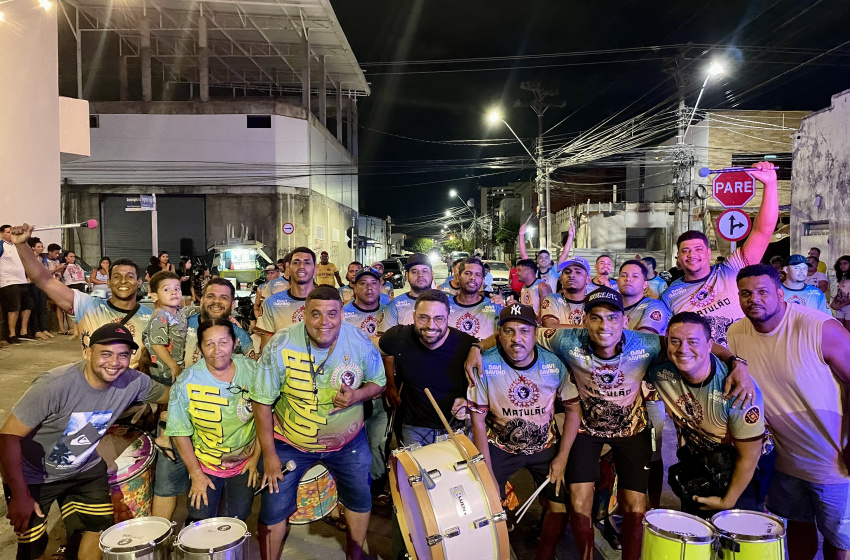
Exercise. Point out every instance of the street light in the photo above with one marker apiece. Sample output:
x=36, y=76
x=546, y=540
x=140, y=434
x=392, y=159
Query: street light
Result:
x=714, y=69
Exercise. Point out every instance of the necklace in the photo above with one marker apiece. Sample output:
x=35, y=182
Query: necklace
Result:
x=316, y=371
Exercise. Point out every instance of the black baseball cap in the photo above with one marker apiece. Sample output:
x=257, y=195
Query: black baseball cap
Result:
x=794, y=260
x=113, y=332
x=518, y=312
x=603, y=296
x=367, y=271
x=417, y=259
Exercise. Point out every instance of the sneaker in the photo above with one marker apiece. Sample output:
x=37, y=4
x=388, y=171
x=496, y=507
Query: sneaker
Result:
x=14, y=340
x=26, y=337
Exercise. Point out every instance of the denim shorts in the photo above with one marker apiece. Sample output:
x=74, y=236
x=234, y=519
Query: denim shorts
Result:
x=349, y=465
x=827, y=505
x=171, y=477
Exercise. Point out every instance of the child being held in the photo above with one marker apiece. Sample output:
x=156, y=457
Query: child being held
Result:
x=165, y=335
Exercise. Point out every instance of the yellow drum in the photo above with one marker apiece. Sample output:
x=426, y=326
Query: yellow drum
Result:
x=673, y=535
x=749, y=535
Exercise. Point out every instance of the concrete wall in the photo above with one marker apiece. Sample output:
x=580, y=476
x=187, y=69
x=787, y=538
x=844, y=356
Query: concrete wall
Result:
x=74, y=137
x=603, y=226
x=822, y=169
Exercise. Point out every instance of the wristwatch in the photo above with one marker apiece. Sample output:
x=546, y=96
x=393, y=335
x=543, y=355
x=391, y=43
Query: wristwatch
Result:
x=477, y=345
x=734, y=359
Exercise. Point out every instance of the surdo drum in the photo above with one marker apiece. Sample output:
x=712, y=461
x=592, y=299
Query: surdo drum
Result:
x=447, y=507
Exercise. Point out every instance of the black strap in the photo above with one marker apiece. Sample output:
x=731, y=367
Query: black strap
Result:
x=130, y=314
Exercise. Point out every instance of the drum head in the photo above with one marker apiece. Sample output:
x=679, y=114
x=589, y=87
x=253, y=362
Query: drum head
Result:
x=216, y=533
x=135, y=534
x=749, y=525
x=676, y=524
x=314, y=473
x=127, y=452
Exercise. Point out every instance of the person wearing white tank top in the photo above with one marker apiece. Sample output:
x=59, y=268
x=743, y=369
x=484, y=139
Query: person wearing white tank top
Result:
x=800, y=358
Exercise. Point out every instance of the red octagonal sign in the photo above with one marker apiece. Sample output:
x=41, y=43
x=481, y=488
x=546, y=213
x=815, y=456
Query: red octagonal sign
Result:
x=733, y=189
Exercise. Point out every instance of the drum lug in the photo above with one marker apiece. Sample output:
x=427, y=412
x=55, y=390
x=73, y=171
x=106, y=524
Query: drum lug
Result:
x=477, y=459
x=435, y=474
x=413, y=479
x=501, y=516
x=434, y=539
x=451, y=532
x=461, y=466
x=481, y=522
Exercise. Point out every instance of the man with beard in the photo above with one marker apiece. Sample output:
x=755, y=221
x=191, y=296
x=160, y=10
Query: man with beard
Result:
x=91, y=312
x=419, y=277
x=470, y=311
x=514, y=421
x=795, y=288
x=800, y=358
x=218, y=300
x=451, y=285
x=608, y=365
x=567, y=307
x=287, y=307
x=711, y=291
x=533, y=290
x=308, y=397
x=644, y=313
x=346, y=291
x=604, y=266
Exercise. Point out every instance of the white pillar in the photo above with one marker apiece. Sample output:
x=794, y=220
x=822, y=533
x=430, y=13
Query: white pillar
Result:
x=323, y=96
x=305, y=76
x=145, y=57
x=29, y=111
x=339, y=112
x=352, y=124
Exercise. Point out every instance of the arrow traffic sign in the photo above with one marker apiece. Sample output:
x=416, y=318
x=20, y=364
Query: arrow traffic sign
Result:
x=734, y=225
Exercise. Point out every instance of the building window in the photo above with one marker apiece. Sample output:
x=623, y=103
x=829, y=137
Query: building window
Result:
x=259, y=121
x=645, y=239
x=320, y=233
x=335, y=235
x=780, y=160
x=816, y=228
x=94, y=121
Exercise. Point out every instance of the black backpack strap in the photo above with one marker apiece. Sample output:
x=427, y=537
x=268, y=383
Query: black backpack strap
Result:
x=130, y=314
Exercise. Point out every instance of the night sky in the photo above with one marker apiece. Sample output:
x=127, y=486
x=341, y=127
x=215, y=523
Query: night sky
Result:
x=758, y=40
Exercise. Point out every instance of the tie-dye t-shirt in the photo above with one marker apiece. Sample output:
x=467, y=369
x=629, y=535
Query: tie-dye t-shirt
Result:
x=530, y=295
x=366, y=321
x=302, y=403
x=244, y=344
x=279, y=311
x=479, y=320
x=565, y=311
x=610, y=389
x=91, y=313
x=520, y=402
x=714, y=297
x=346, y=293
x=655, y=287
x=448, y=288
x=216, y=415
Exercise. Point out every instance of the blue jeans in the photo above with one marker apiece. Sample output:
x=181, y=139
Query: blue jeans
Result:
x=376, y=431
x=418, y=434
x=827, y=505
x=231, y=497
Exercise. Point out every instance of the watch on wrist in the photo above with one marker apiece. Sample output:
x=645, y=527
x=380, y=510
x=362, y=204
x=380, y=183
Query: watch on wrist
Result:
x=738, y=359
x=477, y=345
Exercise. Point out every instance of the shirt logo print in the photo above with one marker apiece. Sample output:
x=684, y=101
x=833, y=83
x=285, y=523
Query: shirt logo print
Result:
x=468, y=323
x=523, y=393
x=607, y=376
x=703, y=298
x=298, y=316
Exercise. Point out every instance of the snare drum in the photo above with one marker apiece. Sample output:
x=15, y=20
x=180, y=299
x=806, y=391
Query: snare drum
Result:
x=317, y=495
x=145, y=538
x=129, y=456
x=673, y=535
x=216, y=538
x=749, y=534
x=461, y=516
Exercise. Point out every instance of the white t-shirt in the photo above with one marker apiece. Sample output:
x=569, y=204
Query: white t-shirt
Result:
x=11, y=269
x=816, y=278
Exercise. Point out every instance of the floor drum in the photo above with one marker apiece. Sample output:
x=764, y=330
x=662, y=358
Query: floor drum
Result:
x=144, y=538
x=673, y=535
x=129, y=457
x=749, y=535
x=317, y=495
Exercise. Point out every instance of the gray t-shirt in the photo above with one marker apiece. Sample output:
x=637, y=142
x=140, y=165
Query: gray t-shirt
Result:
x=68, y=417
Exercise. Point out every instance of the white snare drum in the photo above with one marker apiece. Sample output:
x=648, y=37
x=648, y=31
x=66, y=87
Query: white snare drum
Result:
x=143, y=538
x=458, y=517
x=216, y=538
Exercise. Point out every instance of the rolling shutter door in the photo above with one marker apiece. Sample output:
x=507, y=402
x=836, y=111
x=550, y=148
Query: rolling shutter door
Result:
x=125, y=234
x=181, y=217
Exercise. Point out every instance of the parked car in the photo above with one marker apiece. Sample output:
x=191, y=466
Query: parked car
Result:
x=394, y=272
x=455, y=255
x=500, y=272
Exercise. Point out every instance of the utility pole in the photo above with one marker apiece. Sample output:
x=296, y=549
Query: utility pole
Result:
x=539, y=105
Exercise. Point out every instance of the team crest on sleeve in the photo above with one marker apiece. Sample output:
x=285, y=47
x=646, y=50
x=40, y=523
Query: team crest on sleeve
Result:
x=546, y=303
x=752, y=415
x=468, y=323
x=549, y=333
x=523, y=392
x=655, y=315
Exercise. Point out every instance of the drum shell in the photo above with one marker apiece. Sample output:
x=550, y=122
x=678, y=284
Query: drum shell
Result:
x=317, y=496
x=236, y=550
x=659, y=544
x=762, y=547
x=160, y=549
x=131, y=488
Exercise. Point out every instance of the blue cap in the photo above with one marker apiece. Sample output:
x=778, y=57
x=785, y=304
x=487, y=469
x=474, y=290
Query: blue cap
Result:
x=582, y=262
x=367, y=271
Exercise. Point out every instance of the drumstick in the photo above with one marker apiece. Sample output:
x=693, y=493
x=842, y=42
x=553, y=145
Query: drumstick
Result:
x=392, y=416
x=523, y=509
x=451, y=432
x=289, y=467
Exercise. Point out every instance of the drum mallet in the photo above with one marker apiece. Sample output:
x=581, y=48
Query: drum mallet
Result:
x=523, y=509
x=705, y=171
x=289, y=467
x=90, y=224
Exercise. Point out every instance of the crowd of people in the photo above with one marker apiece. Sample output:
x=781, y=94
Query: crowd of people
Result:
x=747, y=361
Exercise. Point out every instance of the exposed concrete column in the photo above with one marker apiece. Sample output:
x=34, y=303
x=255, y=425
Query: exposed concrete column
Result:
x=339, y=112
x=353, y=127
x=203, y=57
x=123, y=84
x=305, y=74
x=323, y=97
x=350, y=117
x=79, y=37
x=145, y=57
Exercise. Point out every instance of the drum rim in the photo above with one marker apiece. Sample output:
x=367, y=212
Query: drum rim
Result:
x=139, y=547
x=765, y=537
x=145, y=466
x=222, y=548
x=678, y=536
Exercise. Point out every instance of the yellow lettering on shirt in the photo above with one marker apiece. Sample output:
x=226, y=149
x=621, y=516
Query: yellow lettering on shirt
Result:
x=301, y=421
x=205, y=404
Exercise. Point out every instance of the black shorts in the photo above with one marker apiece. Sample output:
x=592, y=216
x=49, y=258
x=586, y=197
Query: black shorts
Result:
x=15, y=297
x=505, y=465
x=632, y=455
x=85, y=503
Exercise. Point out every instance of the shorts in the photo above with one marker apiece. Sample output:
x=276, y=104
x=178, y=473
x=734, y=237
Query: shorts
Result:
x=827, y=505
x=15, y=297
x=171, y=477
x=84, y=500
x=656, y=412
x=632, y=455
x=349, y=465
x=506, y=464
x=842, y=314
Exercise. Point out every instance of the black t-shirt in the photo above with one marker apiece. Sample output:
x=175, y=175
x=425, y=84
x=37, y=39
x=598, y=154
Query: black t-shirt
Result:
x=419, y=367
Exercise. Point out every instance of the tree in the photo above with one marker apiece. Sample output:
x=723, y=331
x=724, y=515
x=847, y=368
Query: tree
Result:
x=507, y=236
x=453, y=245
x=422, y=244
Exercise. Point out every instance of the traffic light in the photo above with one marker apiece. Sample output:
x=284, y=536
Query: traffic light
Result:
x=351, y=237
